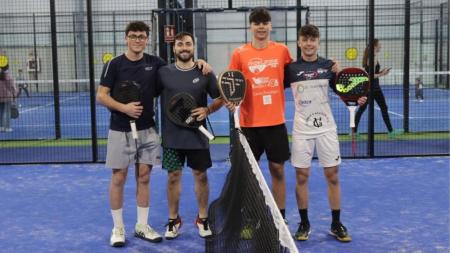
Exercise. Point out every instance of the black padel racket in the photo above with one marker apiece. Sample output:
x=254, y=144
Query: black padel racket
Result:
x=179, y=110
x=232, y=87
x=126, y=92
x=351, y=84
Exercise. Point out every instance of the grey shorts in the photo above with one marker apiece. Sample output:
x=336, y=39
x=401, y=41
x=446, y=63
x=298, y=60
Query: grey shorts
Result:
x=121, y=149
x=327, y=148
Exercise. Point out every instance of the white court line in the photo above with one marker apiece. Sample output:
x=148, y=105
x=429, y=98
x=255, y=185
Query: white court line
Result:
x=391, y=112
x=401, y=115
x=46, y=105
x=429, y=117
x=52, y=125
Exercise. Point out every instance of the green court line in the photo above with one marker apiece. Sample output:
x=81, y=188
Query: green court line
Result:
x=218, y=140
x=49, y=143
x=404, y=136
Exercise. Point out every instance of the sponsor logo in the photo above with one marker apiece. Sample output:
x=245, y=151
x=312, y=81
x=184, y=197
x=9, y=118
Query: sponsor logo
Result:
x=317, y=120
x=260, y=82
x=321, y=71
x=305, y=103
x=308, y=75
x=148, y=68
x=354, y=81
x=257, y=65
x=196, y=80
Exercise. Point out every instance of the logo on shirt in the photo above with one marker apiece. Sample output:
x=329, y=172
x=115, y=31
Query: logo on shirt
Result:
x=309, y=75
x=305, y=103
x=317, y=120
x=260, y=82
x=195, y=80
x=321, y=71
x=257, y=65
x=148, y=68
x=300, y=88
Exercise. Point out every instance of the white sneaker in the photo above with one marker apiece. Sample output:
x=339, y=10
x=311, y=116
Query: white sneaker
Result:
x=8, y=129
x=203, y=227
x=173, y=228
x=117, y=237
x=147, y=233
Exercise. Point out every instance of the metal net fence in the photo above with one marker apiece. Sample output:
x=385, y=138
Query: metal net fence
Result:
x=55, y=52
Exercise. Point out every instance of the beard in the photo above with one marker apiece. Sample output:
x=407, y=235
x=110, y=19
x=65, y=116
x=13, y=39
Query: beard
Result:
x=183, y=57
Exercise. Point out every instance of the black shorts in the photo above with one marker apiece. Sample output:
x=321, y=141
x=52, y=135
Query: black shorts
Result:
x=197, y=159
x=272, y=139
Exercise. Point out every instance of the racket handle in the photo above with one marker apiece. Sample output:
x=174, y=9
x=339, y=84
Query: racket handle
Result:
x=353, y=142
x=133, y=129
x=236, y=118
x=352, y=110
x=206, y=133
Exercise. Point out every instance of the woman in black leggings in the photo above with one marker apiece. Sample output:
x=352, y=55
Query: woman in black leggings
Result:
x=377, y=92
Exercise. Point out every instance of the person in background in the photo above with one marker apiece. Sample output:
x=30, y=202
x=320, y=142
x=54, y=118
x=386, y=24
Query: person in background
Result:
x=378, y=95
x=8, y=93
x=419, y=89
x=23, y=86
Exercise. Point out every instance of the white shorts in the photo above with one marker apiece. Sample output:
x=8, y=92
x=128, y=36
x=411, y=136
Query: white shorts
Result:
x=121, y=149
x=327, y=148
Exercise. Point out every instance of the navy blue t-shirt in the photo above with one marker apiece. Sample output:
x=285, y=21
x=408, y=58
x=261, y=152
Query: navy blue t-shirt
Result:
x=142, y=72
x=171, y=81
x=303, y=70
x=310, y=81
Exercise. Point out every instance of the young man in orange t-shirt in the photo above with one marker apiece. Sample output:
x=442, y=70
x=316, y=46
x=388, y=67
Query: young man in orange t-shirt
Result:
x=262, y=112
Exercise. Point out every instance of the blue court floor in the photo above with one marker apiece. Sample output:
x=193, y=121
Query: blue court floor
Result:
x=389, y=205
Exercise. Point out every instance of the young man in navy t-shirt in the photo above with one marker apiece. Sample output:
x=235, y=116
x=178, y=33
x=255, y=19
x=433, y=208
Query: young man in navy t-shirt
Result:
x=137, y=66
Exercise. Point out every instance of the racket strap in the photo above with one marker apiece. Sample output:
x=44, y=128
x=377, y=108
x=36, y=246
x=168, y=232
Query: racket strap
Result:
x=210, y=126
x=136, y=156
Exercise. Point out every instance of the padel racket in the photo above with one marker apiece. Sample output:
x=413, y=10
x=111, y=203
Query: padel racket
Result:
x=126, y=92
x=232, y=87
x=179, y=109
x=351, y=84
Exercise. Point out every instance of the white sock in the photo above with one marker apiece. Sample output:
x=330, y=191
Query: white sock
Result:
x=142, y=215
x=117, y=218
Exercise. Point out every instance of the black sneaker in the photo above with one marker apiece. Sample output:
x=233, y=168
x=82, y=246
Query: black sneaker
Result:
x=303, y=231
x=339, y=231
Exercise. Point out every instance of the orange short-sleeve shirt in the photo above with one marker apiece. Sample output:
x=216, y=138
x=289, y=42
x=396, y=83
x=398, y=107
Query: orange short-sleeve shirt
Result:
x=263, y=69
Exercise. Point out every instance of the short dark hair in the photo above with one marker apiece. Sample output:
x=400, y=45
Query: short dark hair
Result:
x=180, y=35
x=309, y=31
x=3, y=71
x=137, y=26
x=260, y=15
